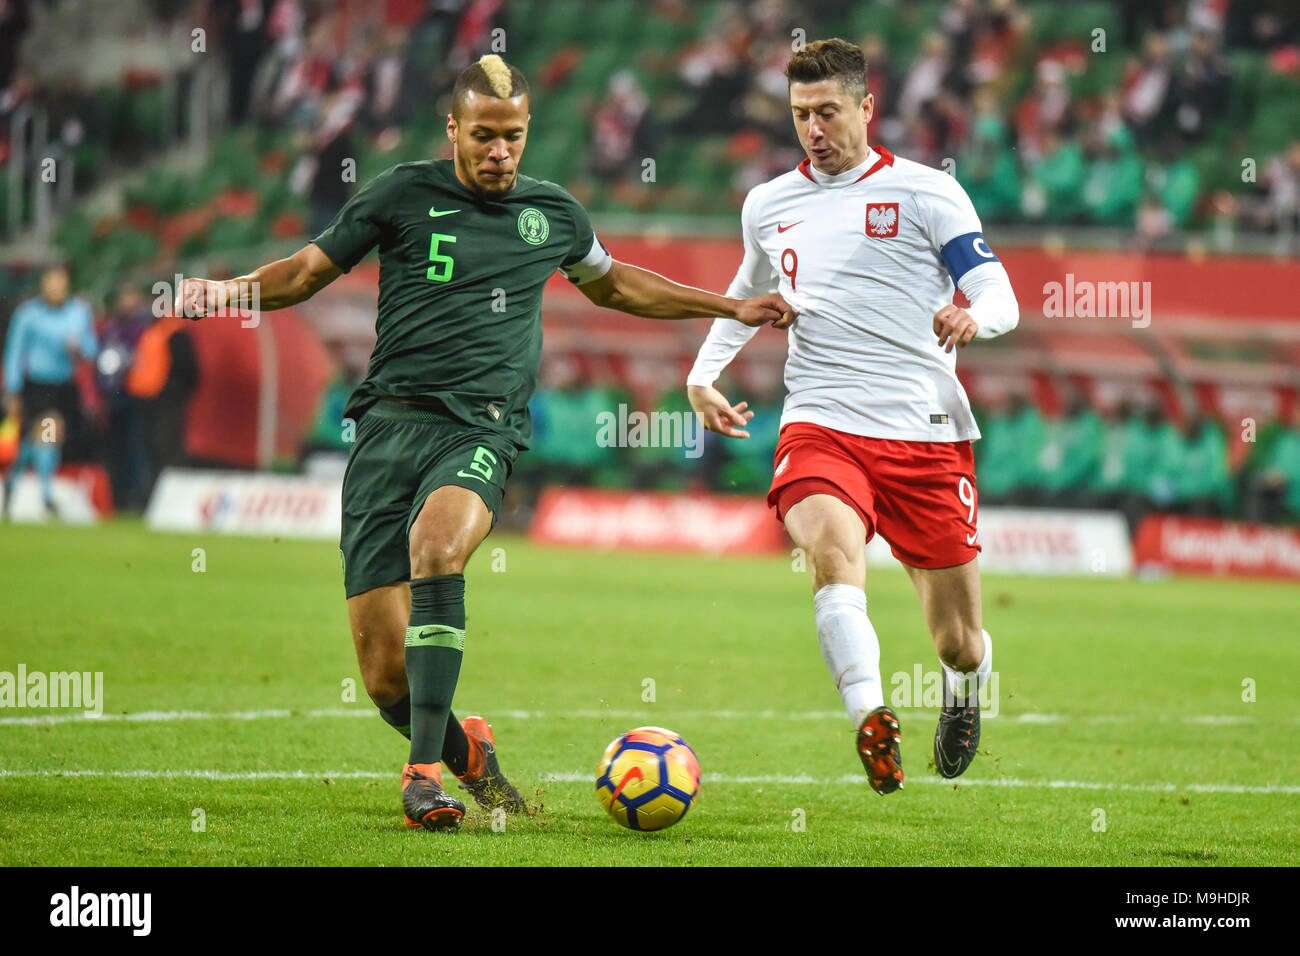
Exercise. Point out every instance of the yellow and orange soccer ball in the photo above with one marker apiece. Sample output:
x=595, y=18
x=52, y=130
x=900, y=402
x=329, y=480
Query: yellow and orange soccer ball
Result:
x=647, y=779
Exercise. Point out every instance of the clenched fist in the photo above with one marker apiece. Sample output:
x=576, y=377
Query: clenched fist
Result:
x=766, y=310
x=954, y=326
x=197, y=298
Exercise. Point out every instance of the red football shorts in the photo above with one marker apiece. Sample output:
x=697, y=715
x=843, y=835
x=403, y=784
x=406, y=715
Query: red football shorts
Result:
x=920, y=495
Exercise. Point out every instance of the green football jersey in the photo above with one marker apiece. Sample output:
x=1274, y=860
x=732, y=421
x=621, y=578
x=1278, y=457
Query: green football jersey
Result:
x=460, y=288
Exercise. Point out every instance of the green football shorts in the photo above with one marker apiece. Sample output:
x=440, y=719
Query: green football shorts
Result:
x=402, y=454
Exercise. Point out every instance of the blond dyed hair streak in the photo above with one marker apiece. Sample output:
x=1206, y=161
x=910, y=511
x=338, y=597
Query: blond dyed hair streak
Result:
x=498, y=74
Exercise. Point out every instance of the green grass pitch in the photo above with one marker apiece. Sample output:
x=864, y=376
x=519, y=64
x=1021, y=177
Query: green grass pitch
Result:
x=1122, y=737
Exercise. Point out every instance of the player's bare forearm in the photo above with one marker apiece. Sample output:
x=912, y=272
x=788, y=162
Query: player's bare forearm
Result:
x=284, y=282
x=276, y=285
x=638, y=291
x=641, y=292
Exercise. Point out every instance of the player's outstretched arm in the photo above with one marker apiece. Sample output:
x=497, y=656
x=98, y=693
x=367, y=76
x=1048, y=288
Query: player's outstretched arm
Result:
x=276, y=285
x=718, y=414
x=638, y=291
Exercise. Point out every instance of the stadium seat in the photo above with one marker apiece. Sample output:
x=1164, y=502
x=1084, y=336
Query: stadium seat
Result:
x=225, y=234
x=1074, y=22
x=1101, y=73
x=662, y=35
x=1247, y=68
x=914, y=21
x=591, y=75
x=1277, y=121
x=75, y=236
x=616, y=22
x=1180, y=190
x=563, y=21
x=148, y=116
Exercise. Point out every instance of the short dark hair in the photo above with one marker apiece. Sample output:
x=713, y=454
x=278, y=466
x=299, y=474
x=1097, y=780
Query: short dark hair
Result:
x=488, y=76
x=830, y=59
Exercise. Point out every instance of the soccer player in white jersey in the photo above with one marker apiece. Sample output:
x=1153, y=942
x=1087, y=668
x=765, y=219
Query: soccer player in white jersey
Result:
x=876, y=431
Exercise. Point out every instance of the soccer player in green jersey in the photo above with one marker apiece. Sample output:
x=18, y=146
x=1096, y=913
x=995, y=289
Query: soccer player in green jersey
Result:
x=466, y=246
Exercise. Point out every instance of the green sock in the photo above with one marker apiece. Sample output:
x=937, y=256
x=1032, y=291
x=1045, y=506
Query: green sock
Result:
x=398, y=716
x=435, y=644
x=455, y=747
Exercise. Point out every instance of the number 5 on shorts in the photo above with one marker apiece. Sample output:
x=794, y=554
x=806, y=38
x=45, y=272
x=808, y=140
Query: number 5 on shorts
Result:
x=481, y=466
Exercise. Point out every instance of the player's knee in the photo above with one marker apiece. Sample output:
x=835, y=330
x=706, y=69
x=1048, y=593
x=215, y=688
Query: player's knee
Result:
x=431, y=557
x=387, y=687
x=833, y=564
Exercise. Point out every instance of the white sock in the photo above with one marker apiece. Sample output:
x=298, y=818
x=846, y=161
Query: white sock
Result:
x=849, y=647
x=965, y=686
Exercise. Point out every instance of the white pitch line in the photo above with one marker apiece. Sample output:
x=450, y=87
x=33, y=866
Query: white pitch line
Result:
x=165, y=716
x=209, y=774
x=854, y=780
x=1091, y=785
x=859, y=780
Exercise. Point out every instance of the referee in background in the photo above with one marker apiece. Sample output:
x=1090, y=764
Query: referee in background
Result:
x=47, y=336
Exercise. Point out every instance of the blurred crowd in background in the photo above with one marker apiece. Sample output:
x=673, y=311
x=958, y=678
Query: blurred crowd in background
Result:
x=1110, y=114
x=1145, y=133
x=1126, y=456
x=1139, y=116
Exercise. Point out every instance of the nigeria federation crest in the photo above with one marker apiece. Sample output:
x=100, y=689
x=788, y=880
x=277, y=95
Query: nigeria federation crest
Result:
x=533, y=226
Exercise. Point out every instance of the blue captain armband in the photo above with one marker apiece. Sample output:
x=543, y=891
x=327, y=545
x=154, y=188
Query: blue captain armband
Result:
x=964, y=253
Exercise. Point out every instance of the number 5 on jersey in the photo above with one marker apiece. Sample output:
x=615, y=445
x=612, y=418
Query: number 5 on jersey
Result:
x=440, y=271
x=481, y=466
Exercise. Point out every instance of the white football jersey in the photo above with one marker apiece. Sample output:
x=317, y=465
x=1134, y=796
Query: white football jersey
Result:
x=867, y=258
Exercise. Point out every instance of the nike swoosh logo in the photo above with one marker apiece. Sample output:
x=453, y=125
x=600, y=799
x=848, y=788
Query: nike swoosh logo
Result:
x=781, y=228
x=433, y=211
x=970, y=538
x=947, y=767
x=469, y=474
x=633, y=774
